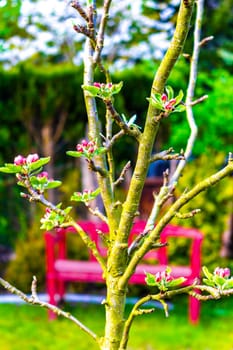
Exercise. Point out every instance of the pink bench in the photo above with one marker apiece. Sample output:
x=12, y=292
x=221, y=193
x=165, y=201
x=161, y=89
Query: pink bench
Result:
x=60, y=269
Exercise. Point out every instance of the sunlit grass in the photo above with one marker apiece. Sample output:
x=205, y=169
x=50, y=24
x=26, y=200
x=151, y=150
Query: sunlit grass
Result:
x=24, y=327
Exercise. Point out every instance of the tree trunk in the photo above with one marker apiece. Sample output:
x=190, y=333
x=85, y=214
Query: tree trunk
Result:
x=115, y=307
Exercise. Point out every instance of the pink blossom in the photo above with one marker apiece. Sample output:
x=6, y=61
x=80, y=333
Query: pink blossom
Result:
x=222, y=272
x=47, y=213
x=85, y=143
x=163, y=275
x=43, y=174
x=97, y=85
x=85, y=146
x=79, y=148
x=164, y=97
x=31, y=158
x=91, y=149
x=169, y=105
x=20, y=160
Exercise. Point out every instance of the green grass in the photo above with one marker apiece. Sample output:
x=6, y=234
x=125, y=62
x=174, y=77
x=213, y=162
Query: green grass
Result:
x=25, y=327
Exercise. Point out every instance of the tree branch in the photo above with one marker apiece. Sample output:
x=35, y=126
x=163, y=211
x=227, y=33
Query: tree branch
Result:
x=167, y=155
x=100, y=35
x=119, y=121
x=34, y=300
x=151, y=125
x=213, y=294
x=190, y=92
x=155, y=233
x=90, y=244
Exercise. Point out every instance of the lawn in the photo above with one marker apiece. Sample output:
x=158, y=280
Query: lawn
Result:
x=25, y=327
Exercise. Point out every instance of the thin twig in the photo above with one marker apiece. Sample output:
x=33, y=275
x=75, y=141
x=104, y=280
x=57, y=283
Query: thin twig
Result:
x=33, y=299
x=190, y=92
x=117, y=136
x=97, y=212
x=164, y=194
x=90, y=244
x=121, y=178
x=76, y=5
x=199, y=100
x=167, y=155
x=119, y=121
x=101, y=31
x=206, y=40
x=187, y=215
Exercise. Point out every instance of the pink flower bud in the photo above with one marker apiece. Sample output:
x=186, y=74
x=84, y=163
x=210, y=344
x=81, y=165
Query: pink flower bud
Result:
x=84, y=143
x=158, y=277
x=91, y=143
x=47, y=212
x=109, y=85
x=79, y=148
x=164, y=97
x=163, y=276
x=97, y=85
x=169, y=105
x=91, y=149
x=43, y=174
x=222, y=272
x=31, y=158
x=19, y=160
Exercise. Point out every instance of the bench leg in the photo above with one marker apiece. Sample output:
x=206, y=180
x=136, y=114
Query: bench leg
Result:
x=61, y=289
x=51, y=290
x=194, y=310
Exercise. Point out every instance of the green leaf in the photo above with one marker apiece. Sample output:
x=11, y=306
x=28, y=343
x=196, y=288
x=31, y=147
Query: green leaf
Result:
x=228, y=284
x=116, y=88
x=206, y=272
x=156, y=96
x=11, y=169
x=67, y=210
x=180, y=108
x=77, y=197
x=38, y=164
x=53, y=184
x=93, y=90
x=85, y=196
x=155, y=103
x=132, y=120
x=219, y=280
x=48, y=226
x=208, y=282
x=176, y=282
x=150, y=279
x=170, y=92
x=124, y=118
x=74, y=154
x=179, y=97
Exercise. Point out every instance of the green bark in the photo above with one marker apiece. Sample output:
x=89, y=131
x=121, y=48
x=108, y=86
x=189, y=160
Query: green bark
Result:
x=118, y=257
x=120, y=226
x=148, y=137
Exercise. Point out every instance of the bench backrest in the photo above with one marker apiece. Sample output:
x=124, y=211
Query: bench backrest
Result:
x=98, y=230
